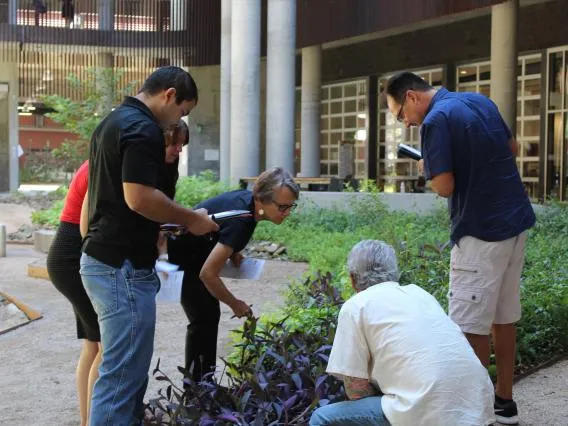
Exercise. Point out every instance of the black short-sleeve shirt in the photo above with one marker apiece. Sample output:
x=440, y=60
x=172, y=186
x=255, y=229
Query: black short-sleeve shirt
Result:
x=127, y=146
x=191, y=252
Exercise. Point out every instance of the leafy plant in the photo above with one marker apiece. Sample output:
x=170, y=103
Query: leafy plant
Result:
x=191, y=190
x=101, y=90
x=281, y=377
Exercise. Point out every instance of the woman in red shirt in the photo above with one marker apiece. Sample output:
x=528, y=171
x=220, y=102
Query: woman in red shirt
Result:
x=63, y=264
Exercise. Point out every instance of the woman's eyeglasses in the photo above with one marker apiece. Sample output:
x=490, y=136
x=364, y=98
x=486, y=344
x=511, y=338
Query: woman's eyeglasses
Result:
x=283, y=208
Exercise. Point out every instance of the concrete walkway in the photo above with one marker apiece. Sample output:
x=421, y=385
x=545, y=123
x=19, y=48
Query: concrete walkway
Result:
x=37, y=361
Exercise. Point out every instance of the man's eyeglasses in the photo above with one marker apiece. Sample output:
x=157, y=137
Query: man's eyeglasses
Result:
x=400, y=115
x=283, y=208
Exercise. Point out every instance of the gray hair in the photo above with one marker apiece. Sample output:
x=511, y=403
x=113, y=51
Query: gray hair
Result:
x=372, y=262
x=272, y=179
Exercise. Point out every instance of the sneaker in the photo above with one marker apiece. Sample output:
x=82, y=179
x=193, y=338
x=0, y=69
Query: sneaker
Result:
x=506, y=412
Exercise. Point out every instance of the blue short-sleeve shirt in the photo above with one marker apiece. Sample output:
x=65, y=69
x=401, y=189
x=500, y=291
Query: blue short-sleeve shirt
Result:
x=464, y=133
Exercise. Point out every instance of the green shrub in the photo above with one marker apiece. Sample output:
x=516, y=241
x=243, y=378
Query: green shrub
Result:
x=192, y=190
x=189, y=192
x=323, y=238
x=50, y=217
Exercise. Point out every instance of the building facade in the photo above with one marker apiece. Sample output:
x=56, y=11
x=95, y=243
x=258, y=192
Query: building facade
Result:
x=300, y=82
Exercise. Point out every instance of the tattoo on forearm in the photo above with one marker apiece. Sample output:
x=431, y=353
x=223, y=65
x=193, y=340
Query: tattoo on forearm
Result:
x=356, y=388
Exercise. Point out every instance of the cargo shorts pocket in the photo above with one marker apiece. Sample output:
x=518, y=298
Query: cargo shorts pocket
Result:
x=469, y=310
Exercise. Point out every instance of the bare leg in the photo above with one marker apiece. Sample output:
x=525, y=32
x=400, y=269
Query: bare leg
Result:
x=88, y=354
x=481, y=346
x=504, y=342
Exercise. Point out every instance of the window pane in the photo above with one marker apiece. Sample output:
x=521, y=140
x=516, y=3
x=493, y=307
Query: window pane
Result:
x=531, y=128
x=532, y=149
x=324, y=94
x=323, y=169
x=485, y=72
x=325, y=108
x=531, y=87
x=335, y=123
x=336, y=92
x=532, y=66
x=324, y=154
x=350, y=106
x=333, y=154
x=333, y=169
x=350, y=90
x=530, y=169
x=350, y=122
x=467, y=74
x=335, y=138
x=555, y=81
x=555, y=137
x=436, y=78
x=336, y=108
x=485, y=89
x=532, y=107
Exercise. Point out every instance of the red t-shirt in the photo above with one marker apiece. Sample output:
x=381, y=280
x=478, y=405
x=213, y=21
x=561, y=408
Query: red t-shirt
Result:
x=72, y=210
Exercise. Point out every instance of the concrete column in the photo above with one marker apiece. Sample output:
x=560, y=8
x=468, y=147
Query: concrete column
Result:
x=245, y=88
x=504, y=60
x=106, y=15
x=311, y=99
x=178, y=15
x=281, y=83
x=225, y=104
x=12, y=12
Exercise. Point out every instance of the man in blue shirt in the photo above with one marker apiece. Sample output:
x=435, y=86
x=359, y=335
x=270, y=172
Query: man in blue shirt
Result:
x=469, y=157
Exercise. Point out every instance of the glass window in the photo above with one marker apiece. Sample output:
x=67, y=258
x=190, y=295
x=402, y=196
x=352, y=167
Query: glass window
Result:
x=335, y=123
x=335, y=138
x=333, y=154
x=350, y=106
x=485, y=72
x=555, y=136
x=555, y=81
x=324, y=154
x=336, y=92
x=533, y=66
x=530, y=169
x=324, y=123
x=531, y=128
x=336, y=108
x=531, y=87
x=350, y=90
x=350, y=122
x=333, y=169
x=485, y=89
x=467, y=74
x=532, y=107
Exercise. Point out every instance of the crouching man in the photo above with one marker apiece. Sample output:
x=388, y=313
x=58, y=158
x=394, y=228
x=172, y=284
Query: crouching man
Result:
x=401, y=359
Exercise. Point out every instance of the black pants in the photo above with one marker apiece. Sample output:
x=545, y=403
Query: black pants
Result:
x=203, y=313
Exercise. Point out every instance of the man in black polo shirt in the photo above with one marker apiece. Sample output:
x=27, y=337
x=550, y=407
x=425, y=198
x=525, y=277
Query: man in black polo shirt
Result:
x=125, y=206
x=469, y=156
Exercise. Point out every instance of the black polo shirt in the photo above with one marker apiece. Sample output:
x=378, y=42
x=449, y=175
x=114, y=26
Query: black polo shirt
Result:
x=127, y=146
x=191, y=252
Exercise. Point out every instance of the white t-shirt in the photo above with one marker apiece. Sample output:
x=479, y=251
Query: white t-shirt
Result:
x=401, y=340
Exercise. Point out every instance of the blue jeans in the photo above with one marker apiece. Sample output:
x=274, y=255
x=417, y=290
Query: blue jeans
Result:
x=362, y=412
x=125, y=302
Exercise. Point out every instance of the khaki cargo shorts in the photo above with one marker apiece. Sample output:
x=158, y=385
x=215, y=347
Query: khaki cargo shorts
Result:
x=485, y=283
